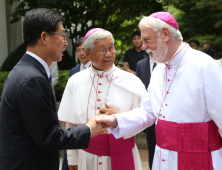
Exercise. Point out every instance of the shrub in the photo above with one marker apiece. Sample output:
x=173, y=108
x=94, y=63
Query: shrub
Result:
x=3, y=77
x=60, y=86
x=13, y=58
x=67, y=62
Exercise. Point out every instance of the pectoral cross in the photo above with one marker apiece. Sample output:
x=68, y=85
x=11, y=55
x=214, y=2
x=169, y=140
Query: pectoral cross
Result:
x=158, y=115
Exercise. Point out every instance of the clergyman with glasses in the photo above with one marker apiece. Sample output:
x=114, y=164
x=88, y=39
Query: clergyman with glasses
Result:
x=90, y=91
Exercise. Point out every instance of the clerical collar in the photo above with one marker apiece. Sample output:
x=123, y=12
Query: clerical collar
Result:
x=102, y=73
x=44, y=64
x=177, y=55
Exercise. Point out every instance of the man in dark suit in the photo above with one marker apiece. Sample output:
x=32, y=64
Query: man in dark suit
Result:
x=85, y=63
x=30, y=136
x=207, y=49
x=143, y=71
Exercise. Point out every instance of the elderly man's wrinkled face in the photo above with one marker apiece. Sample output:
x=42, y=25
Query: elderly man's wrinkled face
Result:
x=103, y=55
x=153, y=45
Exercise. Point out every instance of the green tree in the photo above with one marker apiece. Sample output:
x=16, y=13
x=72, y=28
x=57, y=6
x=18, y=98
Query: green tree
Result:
x=120, y=17
x=200, y=19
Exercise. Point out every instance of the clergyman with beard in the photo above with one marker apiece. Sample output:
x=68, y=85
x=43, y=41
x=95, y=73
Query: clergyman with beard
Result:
x=184, y=100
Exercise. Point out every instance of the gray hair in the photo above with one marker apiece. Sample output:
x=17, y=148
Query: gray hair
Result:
x=96, y=36
x=158, y=25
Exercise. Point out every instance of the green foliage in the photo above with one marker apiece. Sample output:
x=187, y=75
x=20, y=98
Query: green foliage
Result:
x=199, y=19
x=60, y=86
x=3, y=77
x=13, y=58
x=121, y=17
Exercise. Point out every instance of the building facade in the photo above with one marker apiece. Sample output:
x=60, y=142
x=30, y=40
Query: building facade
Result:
x=10, y=34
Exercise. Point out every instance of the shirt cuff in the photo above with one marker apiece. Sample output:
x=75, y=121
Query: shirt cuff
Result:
x=114, y=129
x=90, y=130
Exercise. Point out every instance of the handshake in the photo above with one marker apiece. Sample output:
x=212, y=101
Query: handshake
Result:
x=103, y=120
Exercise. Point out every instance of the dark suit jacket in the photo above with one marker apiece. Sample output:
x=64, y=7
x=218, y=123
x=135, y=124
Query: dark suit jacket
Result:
x=209, y=52
x=30, y=136
x=143, y=72
x=74, y=70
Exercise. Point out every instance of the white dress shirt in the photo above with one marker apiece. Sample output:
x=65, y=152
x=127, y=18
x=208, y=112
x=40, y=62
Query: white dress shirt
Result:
x=86, y=66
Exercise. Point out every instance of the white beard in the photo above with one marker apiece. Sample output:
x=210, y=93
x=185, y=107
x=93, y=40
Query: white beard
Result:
x=159, y=54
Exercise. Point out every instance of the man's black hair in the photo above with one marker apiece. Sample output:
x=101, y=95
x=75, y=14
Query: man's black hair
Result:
x=79, y=42
x=206, y=42
x=194, y=41
x=136, y=33
x=37, y=21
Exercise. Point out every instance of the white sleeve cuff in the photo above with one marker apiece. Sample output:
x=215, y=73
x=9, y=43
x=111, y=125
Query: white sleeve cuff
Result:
x=72, y=157
x=90, y=130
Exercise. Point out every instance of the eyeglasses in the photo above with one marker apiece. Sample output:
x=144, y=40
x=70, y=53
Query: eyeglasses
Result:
x=61, y=33
x=80, y=50
x=104, y=51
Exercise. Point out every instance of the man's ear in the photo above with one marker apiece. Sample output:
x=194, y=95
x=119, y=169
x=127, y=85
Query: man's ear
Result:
x=44, y=37
x=87, y=52
x=165, y=34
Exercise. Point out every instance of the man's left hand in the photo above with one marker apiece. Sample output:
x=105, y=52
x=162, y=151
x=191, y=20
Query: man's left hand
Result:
x=108, y=110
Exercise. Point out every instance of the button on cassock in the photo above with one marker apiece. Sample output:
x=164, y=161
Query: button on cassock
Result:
x=100, y=84
x=100, y=163
x=98, y=100
x=99, y=92
x=98, y=108
x=101, y=76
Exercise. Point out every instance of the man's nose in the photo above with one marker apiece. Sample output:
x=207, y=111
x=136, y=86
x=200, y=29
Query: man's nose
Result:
x=66, y=43
x=82, y=52
x=144, y=47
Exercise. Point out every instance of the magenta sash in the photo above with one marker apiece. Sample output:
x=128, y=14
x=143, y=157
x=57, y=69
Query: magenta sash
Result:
x=193, y=142
x=120, y=150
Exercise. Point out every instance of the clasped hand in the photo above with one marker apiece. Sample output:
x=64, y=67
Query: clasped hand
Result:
x=103, y=120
